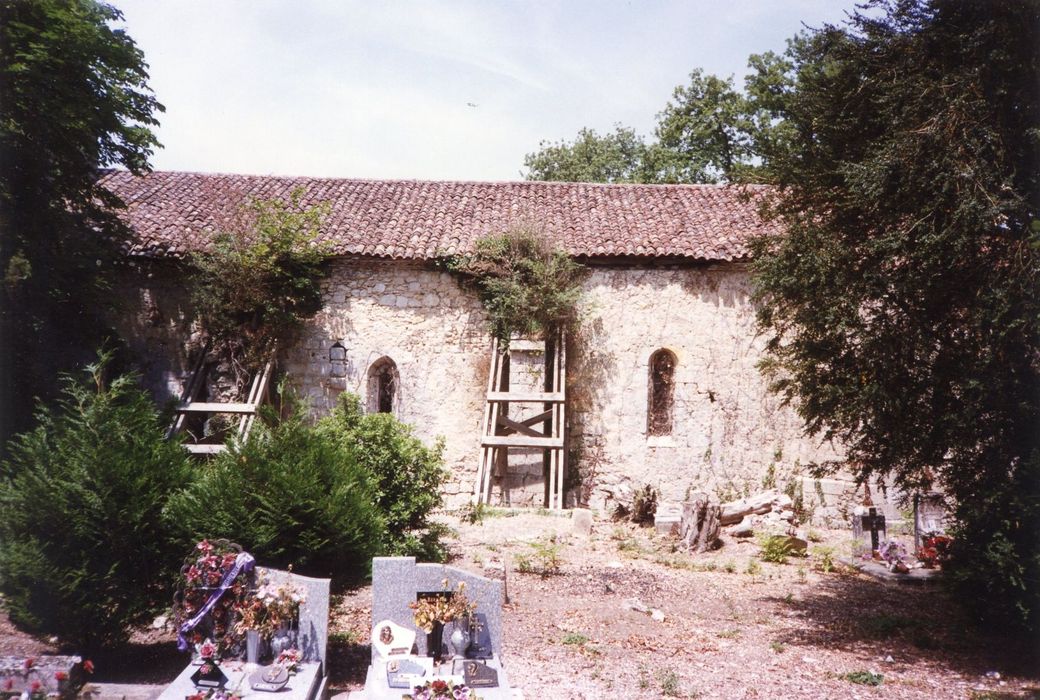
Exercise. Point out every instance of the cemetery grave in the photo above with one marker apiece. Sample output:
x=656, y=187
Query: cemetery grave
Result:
x=730, y=625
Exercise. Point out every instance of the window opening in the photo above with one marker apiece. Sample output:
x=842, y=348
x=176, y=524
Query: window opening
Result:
x=662, y=393
x=382, y=386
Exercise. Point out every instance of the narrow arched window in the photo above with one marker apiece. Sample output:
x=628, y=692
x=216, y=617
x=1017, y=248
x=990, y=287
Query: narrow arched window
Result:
x=383, y=382
x=661, y=393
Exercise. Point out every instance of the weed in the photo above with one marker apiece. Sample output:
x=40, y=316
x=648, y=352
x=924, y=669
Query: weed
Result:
x=669, y=683
x=753, y=568
x=575, y=638
x=728, y=634
x=729, y=567
x=543, y=559
x=777, y=647
x=824, y=557
x=769, y=480
x=776, y=549
x=801, y=574
x=863, y=677
x=789, y=598
x=814, y=536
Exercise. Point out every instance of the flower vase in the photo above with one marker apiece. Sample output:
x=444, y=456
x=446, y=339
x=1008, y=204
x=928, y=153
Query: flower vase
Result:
x=283, y=638
x=435, y=641
x=252, y=647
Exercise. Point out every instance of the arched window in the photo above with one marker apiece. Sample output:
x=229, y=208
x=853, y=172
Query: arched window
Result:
x=383, y=382
x=661, y=393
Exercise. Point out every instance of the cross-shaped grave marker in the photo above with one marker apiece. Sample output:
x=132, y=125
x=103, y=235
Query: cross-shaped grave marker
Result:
x=873, y=522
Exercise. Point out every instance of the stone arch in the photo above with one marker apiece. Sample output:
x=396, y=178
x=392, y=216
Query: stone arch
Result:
x=384, y=386
x=661, y=392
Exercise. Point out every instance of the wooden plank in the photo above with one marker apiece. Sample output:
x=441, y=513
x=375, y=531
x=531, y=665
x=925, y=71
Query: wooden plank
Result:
x=529, y=396
x=203, y=407
x=520, y=441
x=205, y=449
x=524, y=345
x=478, y=486
x=517, y=427
x=543, y=416
x=256, y=398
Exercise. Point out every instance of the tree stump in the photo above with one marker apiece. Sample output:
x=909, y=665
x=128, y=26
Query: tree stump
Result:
x=700, y=525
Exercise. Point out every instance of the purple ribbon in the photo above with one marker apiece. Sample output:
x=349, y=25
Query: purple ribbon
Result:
x=243, y=562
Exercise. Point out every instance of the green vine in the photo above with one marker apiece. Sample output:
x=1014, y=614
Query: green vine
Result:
x=527, y=285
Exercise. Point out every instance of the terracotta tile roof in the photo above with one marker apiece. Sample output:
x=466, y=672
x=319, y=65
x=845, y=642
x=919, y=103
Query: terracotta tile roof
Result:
x=173, y=212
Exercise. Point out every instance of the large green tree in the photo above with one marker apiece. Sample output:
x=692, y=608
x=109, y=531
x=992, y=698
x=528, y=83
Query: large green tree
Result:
x=902, y=300
x=709, y=132
x=73, y=99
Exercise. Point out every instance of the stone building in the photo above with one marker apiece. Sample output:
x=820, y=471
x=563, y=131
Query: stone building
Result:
x=663, y=387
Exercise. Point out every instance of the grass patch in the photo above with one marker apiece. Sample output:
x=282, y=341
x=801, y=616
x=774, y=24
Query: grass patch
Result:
x=574, y=638
x=863, y=678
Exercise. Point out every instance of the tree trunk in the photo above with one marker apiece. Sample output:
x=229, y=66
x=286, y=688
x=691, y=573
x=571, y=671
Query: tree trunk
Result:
x=700, y=525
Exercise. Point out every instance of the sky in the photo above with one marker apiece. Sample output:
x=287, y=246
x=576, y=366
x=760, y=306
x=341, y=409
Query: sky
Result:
x=429, y=90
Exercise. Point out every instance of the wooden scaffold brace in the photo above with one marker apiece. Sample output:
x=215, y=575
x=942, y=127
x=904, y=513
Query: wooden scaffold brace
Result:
x=246, y=412
x=500, y=432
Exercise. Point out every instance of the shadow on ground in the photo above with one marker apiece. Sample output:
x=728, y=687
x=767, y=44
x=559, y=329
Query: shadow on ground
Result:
x=912, y=623
x=140, y=663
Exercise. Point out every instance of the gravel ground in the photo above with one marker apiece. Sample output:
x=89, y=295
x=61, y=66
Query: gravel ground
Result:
x=734, y=627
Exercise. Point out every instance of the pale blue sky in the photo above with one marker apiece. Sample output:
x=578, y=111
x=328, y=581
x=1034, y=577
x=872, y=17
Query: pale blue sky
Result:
x=383, y=89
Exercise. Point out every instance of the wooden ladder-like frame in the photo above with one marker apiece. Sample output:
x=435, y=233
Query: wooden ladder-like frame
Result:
x=258, y=391
x=499, y=432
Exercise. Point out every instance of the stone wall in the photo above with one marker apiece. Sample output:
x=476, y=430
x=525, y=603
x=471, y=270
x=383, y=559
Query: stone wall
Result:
x=728, y=433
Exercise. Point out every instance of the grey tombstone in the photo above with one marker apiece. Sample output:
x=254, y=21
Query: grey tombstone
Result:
x=313, y=634
x=397, y=581
x=929, y=516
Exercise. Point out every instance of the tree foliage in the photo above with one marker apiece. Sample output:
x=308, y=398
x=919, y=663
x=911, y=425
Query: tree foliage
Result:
x=84, y=548
x=73, y=99
x=708, y=132
x=614, y=157
x=259, y=282
x=902, y=300
x=526, y=284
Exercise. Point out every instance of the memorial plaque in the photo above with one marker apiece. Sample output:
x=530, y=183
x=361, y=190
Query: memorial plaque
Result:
x=480, y=634
x=404, y=673
x=269, y=678
x=390, y=639
x=209, y=675
x=478, y=675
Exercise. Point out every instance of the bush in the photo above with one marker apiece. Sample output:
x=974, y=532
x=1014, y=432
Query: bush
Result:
x=290, y=494
x=84, y=550
x=406, y=475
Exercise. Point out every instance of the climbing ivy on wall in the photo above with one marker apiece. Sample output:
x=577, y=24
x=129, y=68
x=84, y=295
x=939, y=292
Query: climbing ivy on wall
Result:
x=527, y=285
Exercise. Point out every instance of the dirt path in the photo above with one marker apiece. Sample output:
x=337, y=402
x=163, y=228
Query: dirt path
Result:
x=734, y=627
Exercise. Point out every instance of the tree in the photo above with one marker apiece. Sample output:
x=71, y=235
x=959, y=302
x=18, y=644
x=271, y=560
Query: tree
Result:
x=615, y=157
x=901, y=303
x=710, y=132
x=74, y=99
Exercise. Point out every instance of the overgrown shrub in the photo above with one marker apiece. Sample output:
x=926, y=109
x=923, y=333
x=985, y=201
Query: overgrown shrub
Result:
x=261, y=279
x=406, y=475
x=526, y=284
x=84, y=549
x=290, y=494
x=643, y=508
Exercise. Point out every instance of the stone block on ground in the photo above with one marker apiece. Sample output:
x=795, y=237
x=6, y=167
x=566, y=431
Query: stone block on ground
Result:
x=668, y=518
x=581, y=521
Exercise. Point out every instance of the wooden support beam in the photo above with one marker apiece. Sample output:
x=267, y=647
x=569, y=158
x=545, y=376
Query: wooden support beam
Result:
x=520, y=441
x=517, y=427
x=525, y=396
x=204, y=407
x=204, y=449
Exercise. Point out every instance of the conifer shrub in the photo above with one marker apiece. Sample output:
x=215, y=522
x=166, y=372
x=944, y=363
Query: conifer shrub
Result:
x=407, y=475
x=291, y=495
x=84, y=549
